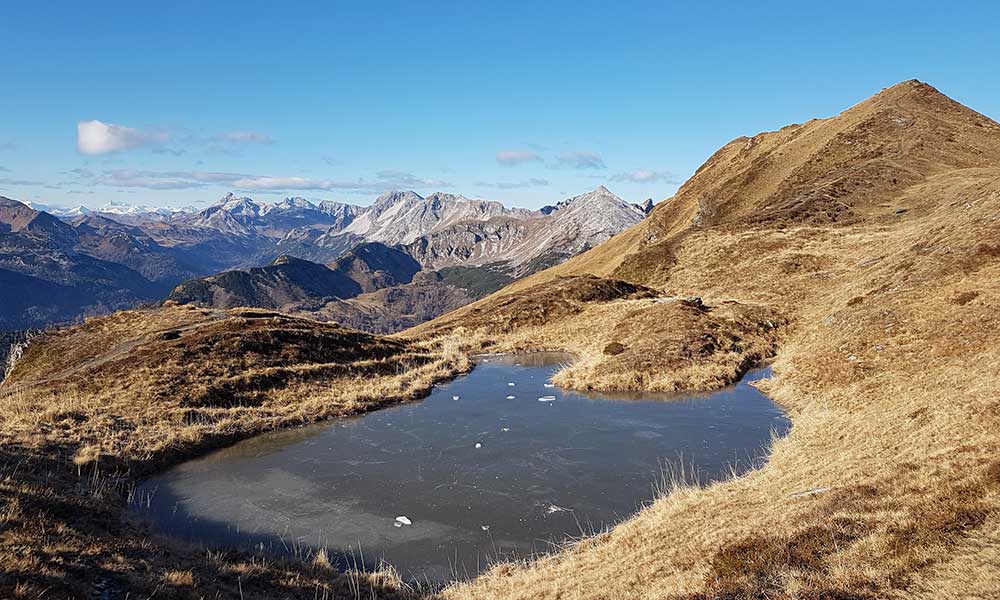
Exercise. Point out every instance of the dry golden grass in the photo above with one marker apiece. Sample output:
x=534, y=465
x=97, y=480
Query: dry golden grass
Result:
x=625, y=337
x=889, y=365
x=90, y=409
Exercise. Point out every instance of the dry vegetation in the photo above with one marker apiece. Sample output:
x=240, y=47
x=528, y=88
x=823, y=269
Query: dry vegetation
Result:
x=88, y=410
x=869, y=242
x=626, y=336
x=861, y=252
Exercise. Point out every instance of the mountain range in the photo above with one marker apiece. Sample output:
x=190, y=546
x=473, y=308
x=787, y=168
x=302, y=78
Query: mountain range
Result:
x=857, y=255
x=119, y=255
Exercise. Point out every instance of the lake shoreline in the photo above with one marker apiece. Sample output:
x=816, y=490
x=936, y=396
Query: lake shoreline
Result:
x=202, y=495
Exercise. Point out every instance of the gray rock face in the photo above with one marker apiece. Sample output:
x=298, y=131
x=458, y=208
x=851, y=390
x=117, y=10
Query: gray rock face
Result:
x=521, y=243
x=90, y=261
x=438, y=230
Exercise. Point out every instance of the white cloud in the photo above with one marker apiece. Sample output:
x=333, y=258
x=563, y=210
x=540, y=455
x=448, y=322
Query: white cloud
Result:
x=581, y=160
x=98, y=137
x=645, y=176
x=509, y=158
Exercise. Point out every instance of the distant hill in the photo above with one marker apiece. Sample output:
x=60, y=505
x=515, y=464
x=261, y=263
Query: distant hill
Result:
x=47, y=273
x=292, y=281
x=373, y=287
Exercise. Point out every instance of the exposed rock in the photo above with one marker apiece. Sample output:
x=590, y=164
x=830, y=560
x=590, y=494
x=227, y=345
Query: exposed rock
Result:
x=614, y=348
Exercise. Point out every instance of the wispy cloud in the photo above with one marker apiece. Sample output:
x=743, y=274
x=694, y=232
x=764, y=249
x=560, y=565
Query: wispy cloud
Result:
x=265, y=183
x=577, y=159
x=645, y=176
x=227, y=142
x=150, y=180
x=402, y=179
x=176, y=180
x=7, y=145
x=513, y=185
x=4, y=170
x=243, y=137
x=8, y=181
x=97, y=137
x=510, y=158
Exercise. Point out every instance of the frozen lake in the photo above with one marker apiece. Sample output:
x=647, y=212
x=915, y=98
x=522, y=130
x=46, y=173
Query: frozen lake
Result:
x=507, y=468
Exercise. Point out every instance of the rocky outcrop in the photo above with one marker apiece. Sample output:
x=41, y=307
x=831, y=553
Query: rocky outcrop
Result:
x=520, y=246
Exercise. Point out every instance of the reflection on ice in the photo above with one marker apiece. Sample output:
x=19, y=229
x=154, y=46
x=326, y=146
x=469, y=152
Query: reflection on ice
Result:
x=438, y=488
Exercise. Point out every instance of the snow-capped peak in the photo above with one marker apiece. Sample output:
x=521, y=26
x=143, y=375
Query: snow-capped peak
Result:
x=296, y=202
x=240, y=205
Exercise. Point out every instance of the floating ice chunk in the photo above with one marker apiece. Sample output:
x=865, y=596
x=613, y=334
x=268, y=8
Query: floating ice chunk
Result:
x=550, y=385
x=510, y=384
x=478, y=445
x=511, y=397
x=547, y=399
x=402, y=520
x=454, y=397
x=505, y=429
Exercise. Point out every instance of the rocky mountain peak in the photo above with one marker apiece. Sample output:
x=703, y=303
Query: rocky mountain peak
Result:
x=295, y=202
x=286, y=259
x=241, y=205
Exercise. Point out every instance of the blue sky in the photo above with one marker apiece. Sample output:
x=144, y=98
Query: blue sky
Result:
x=528, y=103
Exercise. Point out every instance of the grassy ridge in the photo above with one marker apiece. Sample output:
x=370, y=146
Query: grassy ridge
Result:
x=90, y=409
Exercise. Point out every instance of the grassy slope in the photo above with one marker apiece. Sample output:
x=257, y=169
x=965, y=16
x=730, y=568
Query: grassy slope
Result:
x=870, y=241
x=90, y=409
